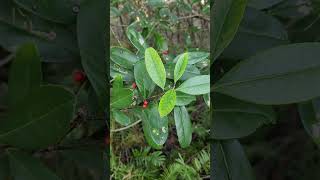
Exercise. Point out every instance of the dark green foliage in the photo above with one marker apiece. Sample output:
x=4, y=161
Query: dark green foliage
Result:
x=46, y=111
x=270, y=63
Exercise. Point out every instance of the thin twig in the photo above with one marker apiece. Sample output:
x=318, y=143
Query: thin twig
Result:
x=127, y=127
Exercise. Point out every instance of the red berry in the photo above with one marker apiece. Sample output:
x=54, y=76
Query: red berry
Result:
x=107, y=140
x=145, y=105
x=166, y=52
x=134, y=85
x=78, y=76
x=145, y=102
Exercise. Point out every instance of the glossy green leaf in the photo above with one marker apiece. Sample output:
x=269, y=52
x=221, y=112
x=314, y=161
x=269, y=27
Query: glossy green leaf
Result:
x=117, y=83
x=167, y=102
x=123, y=57
x=180, y=67
x=92, y=42
x=121, y=117
x=259, y=31
x=155, y=128
x=226, y=17
x=230, y=161
x=136, y=39
x=282, y=75
x=233, y=118
x=155, y=67
x=206, y=99
x=194, y=57
x=184, y=99
x=59, y=11
x=196, y=85
x=25, y=167
x=45, y=120
x=25, y=73
x=183, y=126
x=309, y=115
x=117, y=70
x=143, y=80
x=121, y=98
x=191, y=71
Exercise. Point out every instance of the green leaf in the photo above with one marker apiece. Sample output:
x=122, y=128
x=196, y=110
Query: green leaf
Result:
x=155, y=67
x=194, y=57
x=25, y=73
x=117, y=70
x=184, y=99
x=136, y=39
x=57, y=11
x=25, y=167
x=161, y=42
x=117, y=83
x=40, y=123
x=55, y=43
x=309, y=115
x=92, y=43
x=282, y=75
x=123, y=57
x=259, y=31
x=227, y=16
x=183, y=126
x=180, y=67
x=191, y=71
x=196, y=85
x=155, y=128
x=233, y=118
x=121, y=98
x=263, y=4
x=143, y=80
x=167, y=102
x=206, y=99
x=230, y=160
x=121, y=117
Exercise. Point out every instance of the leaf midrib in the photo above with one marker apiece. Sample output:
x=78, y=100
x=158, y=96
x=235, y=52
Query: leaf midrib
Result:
x=220, y=29
x=34, y=120
x=265, y=77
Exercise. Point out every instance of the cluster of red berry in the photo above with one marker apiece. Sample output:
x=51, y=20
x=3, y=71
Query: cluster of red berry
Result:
x=145, y=102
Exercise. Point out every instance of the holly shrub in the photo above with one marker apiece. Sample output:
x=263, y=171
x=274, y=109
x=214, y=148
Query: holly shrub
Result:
x=52, y=89
x=159, y=64
x=162, y=91
x=265, y=71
